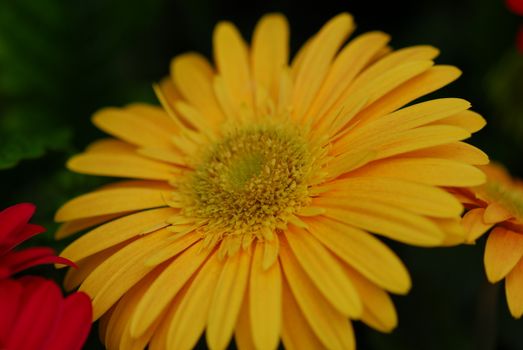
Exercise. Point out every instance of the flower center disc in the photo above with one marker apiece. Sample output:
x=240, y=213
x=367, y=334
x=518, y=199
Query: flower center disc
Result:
x=249, y=182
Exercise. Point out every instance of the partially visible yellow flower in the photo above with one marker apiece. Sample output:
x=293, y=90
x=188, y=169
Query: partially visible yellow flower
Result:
x=259, y=184
x=498, y=205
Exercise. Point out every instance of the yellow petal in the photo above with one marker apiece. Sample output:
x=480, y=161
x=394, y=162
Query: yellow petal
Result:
x=503, y=250
x=193, y=75
x=75, y=276
x=120, y=165
x=329, y=325
x=242, y=332
x=110, y=146
x=316, y=61
x=474, y=225
x=111, y=201
x=134, y=128
x=116, y=275
x=363, y=252
x=351, y=60
x=334, y=286
x=164, y=288
x=402, y=120
x=457, y=151
x=188, y=322
x=420, y=85
x=514, y=290
x=417, y=198
x=495, y=213
x=164, y=155
x=468, y=120
x=160, y=336
x=265, y=302
x=177, y=245
x=394, y=59
x=117, y=231
x=454, y=230
x=117, y=334
x=296, y=332
x=232, y=60
x=370, y=91
x=430, y=171
x=227, y=299
x=383, y=219
x=71, y=227
x=419, y=138
x=378, y=309
x=270, y=52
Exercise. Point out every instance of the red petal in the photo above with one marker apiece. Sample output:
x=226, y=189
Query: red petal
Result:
x=12, y=219
x=515, y=6
x=20, y=260
x=28, y=231
x=10, y=295
x=74, y=323
x=36, y=316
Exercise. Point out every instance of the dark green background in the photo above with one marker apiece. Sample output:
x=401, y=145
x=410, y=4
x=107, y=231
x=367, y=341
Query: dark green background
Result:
x=62, y=60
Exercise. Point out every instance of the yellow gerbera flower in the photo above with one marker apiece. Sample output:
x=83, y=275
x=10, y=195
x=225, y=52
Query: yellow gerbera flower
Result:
x=498, y=205
x=260, y=183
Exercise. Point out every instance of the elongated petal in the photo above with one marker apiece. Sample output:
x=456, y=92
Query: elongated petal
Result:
x=348, y=63
x=111, y=201
x=420, y=85
x=119, y=165
x=296, y=332
x=71, y=227
x=163, y=290
x=335, y=286
x=474, y=225
x=190, y=318
x=378, y=309
x=117, y=231
x=514, y=290
x=120, y=272
x=329, y=325
x=193, y=75
x=270, y=52
x=265, y=302
x=418, y=198
x=384, y=219
x=363, y=252
x=456, y=151
x=14, y=218
x=227, y=300
x=430, y=171
x=316, y=61
x=232, y=59
x=468, y=120
x=134, y=128
x=503, y=250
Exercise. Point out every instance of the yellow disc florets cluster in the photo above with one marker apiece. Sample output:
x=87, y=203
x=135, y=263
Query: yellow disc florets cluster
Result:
x=249, y=182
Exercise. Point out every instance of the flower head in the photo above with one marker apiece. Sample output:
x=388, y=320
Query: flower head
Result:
x=15, y=229
x=498, y=206
x=257, y=185
x=35, y=315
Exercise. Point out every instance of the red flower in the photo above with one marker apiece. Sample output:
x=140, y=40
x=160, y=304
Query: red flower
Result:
x=519, y=39
x=15, y=229
x=515, y=6
x=35, y=315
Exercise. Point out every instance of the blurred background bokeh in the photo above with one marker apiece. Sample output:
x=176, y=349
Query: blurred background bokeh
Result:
x=61, y=60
